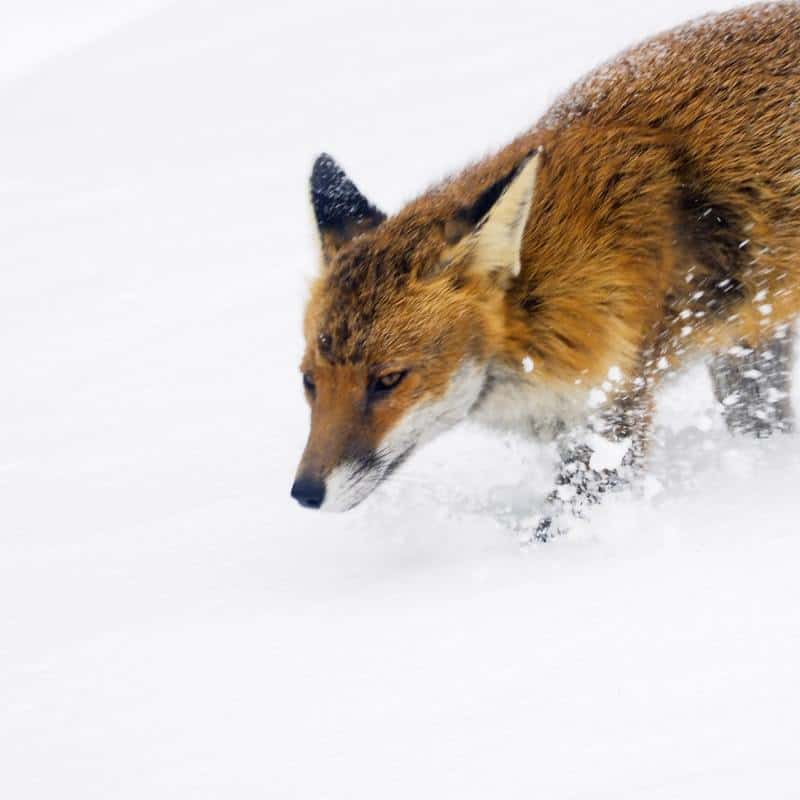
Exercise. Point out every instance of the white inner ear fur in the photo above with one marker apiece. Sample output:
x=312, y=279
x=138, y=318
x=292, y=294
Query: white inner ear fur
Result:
x=497, y=241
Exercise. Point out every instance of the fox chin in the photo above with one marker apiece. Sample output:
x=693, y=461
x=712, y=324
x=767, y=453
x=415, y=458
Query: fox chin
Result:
x=651, y=216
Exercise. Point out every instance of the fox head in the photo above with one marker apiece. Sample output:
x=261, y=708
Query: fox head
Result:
x=401, y=323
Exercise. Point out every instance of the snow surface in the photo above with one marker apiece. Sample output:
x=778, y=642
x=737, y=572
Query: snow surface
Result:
x=173, y=625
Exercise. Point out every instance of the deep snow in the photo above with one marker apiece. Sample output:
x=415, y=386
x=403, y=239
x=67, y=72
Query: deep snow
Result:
x=173, y=625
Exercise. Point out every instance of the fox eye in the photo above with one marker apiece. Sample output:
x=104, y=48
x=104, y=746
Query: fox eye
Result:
x=385, y=383
x=308, y=383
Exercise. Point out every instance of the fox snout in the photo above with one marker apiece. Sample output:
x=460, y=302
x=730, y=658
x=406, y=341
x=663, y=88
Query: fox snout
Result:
x=339, y=462
x=340, y=488
x=309, y=491
x=353, y=448
x=337, y=470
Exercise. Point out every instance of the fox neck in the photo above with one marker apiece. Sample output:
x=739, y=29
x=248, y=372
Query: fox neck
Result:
x=520, y=392
x=512, y=402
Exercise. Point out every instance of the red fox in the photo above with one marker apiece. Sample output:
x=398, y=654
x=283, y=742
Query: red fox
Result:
x=651, y=214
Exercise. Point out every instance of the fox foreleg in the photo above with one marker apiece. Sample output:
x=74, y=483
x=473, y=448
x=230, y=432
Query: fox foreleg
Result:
x=579, y=485
x=606, y=458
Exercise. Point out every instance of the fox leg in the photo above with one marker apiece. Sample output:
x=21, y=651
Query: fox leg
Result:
x=586, y=475
x=753, y=385
x=579, y=485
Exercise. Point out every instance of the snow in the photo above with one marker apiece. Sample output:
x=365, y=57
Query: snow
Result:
x=37, y=30
x=774, y=395
x=607, y=454
x=174, y=626
x=527, y=364
x=597, y=397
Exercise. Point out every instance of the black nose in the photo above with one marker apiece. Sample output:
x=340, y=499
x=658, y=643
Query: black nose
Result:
x=309, y=492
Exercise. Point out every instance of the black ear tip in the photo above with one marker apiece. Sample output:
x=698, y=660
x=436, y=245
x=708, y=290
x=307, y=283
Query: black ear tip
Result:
x=324, y=159
x=336, y=199
x=325, y=172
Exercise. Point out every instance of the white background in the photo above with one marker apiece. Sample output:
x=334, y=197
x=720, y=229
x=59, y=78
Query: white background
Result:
x=172, y=624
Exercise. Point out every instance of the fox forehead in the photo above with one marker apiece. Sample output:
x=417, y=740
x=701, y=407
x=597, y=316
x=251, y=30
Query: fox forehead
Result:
x=381, y=332
x=363, y=307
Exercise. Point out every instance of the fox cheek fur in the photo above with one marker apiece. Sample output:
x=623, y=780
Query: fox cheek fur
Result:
x=355, y=443
x=652, y=215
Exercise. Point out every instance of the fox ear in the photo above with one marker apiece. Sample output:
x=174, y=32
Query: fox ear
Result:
x=488, y=234
x=342, y=212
